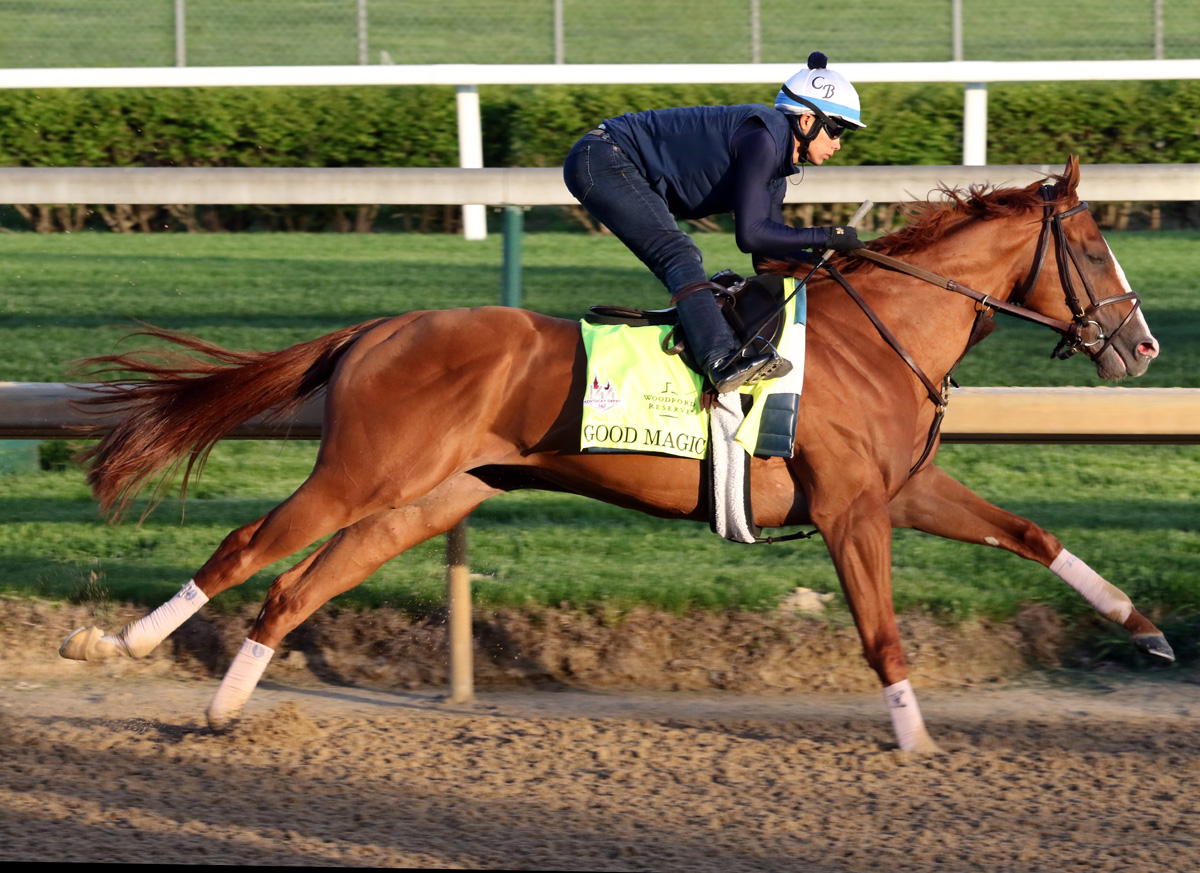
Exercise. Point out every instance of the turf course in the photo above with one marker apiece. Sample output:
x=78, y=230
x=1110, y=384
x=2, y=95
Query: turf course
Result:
x=1130, y=511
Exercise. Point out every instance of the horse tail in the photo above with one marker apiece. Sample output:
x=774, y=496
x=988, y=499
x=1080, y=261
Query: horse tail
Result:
x=180, y=405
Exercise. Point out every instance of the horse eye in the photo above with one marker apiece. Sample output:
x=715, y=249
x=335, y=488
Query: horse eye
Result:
x=1097, y=259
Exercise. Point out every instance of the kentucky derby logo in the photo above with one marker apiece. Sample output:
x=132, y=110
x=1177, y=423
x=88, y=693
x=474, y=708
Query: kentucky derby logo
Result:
x=601, y=398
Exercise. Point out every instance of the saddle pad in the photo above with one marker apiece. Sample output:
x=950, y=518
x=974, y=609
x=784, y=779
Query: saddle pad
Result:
x=641, y=400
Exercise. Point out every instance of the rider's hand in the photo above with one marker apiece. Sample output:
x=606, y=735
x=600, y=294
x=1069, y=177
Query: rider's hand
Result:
x=841, y=238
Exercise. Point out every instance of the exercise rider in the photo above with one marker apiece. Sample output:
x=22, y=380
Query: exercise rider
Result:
x=640, y=171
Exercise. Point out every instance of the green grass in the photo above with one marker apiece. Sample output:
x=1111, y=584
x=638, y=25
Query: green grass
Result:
x=222, y=32
x=1129, y=511
x=68, y=296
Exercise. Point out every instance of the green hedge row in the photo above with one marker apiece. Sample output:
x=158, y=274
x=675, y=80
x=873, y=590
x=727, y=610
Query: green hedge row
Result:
x=1109, y=122
x=1102, y=122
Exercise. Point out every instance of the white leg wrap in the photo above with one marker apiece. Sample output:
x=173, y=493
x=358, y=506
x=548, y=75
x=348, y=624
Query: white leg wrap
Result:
x=239, y=683
x=139, y=638
x=1108, y=600
x=906, y=716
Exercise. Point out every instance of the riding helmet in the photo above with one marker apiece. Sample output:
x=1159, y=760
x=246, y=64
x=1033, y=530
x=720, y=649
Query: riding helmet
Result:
x=821, y=90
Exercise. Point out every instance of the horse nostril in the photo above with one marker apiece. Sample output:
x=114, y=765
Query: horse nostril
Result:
x=1148, y=349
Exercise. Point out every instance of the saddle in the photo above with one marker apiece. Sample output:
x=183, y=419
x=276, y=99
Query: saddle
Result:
x=755, y=311
x=752, y=308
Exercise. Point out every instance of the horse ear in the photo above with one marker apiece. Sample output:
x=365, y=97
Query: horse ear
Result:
x=1070, y=177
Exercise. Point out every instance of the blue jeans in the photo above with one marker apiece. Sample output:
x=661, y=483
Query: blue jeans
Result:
x=606, y=182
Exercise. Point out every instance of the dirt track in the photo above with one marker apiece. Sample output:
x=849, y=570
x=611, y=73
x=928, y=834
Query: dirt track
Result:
x=110, y=762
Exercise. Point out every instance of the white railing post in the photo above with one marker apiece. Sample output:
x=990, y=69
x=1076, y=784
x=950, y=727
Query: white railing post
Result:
x=363, y=44
x=180, y=33
x=560, y=51
x=470, y=155
x=975, y=125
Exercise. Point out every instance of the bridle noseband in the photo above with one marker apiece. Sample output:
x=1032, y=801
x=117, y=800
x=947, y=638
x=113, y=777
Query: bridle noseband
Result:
x=1084, y=332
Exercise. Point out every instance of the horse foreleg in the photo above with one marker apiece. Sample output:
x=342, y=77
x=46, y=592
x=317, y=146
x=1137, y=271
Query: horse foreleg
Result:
x=345, y=560
x=859, y=538
x=934, y=502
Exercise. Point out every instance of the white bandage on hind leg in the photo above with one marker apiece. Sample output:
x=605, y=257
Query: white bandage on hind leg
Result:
x=139, y=638
x=1108, y=600
x=906, y=715
x=239, y=683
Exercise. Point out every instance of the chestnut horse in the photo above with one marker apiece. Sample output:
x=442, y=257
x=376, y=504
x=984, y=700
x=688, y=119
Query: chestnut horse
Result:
x=429, y=414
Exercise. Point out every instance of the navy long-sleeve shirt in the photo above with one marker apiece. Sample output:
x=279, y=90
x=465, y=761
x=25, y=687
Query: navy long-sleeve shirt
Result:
x=707, y=160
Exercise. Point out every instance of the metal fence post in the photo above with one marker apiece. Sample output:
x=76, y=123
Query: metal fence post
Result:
x=560, y=51
x=1158, y=30
x=458, y=585
x=180, y=33
x=362, y=32
x=510, y=282
x=956, y=30
x=755, y=33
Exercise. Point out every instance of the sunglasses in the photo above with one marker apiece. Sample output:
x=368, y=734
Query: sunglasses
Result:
x=834, y=130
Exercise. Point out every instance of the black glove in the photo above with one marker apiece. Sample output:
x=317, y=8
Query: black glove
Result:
x=841, y=239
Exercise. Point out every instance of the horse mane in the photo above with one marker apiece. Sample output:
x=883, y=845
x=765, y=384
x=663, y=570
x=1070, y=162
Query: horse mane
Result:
x=931, y=221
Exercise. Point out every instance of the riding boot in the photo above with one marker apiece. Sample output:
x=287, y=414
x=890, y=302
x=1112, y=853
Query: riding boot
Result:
x=712, y=343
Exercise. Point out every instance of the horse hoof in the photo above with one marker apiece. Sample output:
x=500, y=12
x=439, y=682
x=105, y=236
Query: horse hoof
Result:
x=87, y=644
x=1154, y=644
x=923, y=747
x=220, y=723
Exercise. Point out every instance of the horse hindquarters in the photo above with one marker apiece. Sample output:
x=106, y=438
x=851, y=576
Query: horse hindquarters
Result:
x=377, y=451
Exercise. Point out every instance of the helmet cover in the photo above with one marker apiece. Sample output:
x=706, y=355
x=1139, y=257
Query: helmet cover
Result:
x=829, y=91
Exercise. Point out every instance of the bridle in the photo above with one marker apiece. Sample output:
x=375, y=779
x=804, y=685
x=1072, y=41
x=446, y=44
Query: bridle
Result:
x=1084, y=332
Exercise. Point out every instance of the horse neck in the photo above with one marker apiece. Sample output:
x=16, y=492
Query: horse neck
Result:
x=992, y=256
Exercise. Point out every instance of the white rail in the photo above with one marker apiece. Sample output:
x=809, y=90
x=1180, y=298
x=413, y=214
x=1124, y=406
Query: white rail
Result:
x=974, y=75
x=537, y=187
x=590, y=74
x=48, y=410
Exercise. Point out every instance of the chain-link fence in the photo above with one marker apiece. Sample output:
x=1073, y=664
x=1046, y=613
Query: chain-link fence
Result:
x=124, y=33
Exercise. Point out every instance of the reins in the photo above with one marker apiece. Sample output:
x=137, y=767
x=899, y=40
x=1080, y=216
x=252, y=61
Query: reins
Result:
x=1081, y=332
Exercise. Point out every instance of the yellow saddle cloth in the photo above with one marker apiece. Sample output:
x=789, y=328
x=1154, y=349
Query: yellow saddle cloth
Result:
x=641, y=400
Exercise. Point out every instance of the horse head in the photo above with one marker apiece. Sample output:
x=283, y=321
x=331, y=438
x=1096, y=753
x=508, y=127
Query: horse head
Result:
x=1088, y=291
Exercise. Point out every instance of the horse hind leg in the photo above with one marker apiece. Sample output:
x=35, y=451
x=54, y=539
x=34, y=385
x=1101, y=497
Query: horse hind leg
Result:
x=347, y=559
x=318, y=507
x=139, y=638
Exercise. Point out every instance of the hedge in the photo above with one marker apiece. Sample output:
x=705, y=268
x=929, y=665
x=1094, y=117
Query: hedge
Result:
x=534, y=126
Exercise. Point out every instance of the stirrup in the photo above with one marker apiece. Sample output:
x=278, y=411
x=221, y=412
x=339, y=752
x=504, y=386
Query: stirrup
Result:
x=731, y=373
